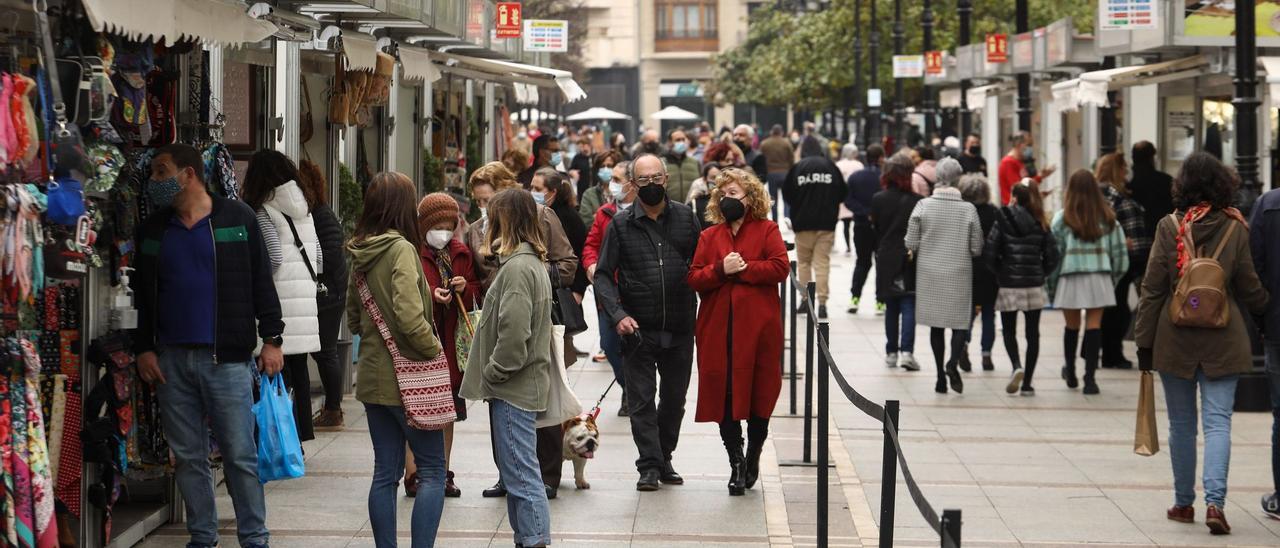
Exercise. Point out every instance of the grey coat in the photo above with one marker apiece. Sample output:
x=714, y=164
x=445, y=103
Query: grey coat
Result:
x=945, y=235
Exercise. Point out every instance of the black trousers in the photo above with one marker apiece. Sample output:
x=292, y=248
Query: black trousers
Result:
x=298, y=379
x=654, y=369
x=1115, y=323
x=864, y=245
x=327, y=361
x=550, y=451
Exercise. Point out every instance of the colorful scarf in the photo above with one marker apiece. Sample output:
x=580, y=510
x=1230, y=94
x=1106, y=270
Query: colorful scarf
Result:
x=1193, y=214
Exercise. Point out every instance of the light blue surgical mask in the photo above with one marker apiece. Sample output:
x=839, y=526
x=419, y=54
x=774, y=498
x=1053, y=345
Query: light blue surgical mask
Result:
x=616, y=190
x=163, y=192
x=605, y=174
x=1028, y=153
x=539, y=197
x=624, y=207
x=680, y=147
x=556, y=158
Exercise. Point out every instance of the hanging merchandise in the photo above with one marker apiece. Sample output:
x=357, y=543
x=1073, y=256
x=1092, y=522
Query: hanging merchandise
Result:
x=66, y=201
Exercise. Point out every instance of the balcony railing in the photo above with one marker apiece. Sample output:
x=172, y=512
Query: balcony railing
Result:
x=687, y=34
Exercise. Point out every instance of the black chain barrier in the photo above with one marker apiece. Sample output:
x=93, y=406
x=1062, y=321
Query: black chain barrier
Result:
x=817, y=344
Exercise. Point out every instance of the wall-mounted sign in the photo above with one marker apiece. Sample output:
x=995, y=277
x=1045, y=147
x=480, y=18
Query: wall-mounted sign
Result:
x=873, y=97
x=997, y=48
x=1127, y=14
x=908, y=66
x=475, y=22
x=546, y=35
x=1022, y=54
x=508, y=22
x=933, y=62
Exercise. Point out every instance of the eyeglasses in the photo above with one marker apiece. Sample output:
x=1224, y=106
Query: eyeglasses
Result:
x=651, y=180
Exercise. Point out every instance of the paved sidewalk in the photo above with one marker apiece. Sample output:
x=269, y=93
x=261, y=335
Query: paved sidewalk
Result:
x=1054, y=470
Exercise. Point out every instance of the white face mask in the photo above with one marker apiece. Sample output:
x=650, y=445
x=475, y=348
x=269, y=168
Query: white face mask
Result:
x=624, y=207
x=616, y=190
x=484, y=213
x=438, y=239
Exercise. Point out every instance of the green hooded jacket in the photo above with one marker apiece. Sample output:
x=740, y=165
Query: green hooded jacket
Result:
x=393, y=272
x=511, y=354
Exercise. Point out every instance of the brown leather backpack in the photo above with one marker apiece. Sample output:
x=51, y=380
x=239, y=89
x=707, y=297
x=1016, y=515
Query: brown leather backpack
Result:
x=1200, y=299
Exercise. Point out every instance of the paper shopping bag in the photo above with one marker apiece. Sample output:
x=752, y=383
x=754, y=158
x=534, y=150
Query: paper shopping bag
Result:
x=1146, y=441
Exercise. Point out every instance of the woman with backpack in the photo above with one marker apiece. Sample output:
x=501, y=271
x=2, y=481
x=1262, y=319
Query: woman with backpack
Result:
x=1196, y=337
x=1021, y=251
x=1094, y=259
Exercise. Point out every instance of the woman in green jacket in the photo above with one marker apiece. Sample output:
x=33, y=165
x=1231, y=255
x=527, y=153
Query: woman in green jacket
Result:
x=510, y=362
x=384, y=250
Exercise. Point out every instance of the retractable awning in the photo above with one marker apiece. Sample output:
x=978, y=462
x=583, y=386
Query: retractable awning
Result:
x=977, y=97
x=213, y=22
x=1091, y=88
x=516, y=73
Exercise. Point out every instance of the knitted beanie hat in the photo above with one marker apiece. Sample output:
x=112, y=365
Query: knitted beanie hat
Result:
x=436, y=208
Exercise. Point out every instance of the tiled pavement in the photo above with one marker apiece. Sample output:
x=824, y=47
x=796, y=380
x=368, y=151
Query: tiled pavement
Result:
x=1054, y=470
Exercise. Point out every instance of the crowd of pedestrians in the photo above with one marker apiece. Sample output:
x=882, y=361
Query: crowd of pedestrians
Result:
x=676, y=240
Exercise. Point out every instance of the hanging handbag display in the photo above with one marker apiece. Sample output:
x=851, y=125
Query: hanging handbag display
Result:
x=305, y=126
x=64, y=136
x=425, y=390
x=321, y=289
x=66, y=201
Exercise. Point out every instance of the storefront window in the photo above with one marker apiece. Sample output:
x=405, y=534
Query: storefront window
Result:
x=1218, y=136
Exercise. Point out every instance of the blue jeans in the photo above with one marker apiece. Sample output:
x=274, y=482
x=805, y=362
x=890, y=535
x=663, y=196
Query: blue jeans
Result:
x=516, y=439
x=611, y=343
x=988, y=328
x=904, y=307
x=196, y=388
x=1273, y=374
x=775, y=181
x=388, y=431
x=1217, y=396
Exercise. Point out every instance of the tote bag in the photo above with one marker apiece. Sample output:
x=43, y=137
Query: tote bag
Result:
x=562, y=403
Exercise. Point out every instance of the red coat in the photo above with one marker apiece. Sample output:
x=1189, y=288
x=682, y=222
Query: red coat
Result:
x=752, y=295
x=445, y=316
x=595, y=236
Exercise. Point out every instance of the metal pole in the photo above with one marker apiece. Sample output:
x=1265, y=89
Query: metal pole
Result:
x=824, y=332
x=951, y=529
x=927, y=106
x=1246, y=105
x=859, y=101
x=873, y=112
x=888, y=475
x=1107, y=115
x=899, y=102
x=965, y=7
x=810, y=330
x=795, y=342
x=1024, y=79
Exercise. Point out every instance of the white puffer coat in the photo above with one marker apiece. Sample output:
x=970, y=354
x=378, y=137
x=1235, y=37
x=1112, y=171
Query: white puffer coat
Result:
x=294, y=285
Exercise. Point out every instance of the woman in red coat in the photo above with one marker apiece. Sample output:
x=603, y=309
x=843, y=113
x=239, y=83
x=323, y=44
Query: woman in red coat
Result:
x=739, y=263
x=455, y=288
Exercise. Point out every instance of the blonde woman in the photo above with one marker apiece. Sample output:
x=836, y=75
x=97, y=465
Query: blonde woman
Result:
x=739, y=263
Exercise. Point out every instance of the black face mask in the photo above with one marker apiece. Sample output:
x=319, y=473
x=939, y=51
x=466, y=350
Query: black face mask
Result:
x=652, y=195
x=975, y=150
x=744, y=145
x=731, y=209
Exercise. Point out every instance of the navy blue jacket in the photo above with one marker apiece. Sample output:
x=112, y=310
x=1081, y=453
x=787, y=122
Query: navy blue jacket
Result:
x=246, y=304
x=863, y=184
x=1264, y=245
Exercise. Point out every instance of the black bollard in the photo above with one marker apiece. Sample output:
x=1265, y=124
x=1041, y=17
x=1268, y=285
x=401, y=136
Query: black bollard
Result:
x=888, y=475
x=810, y=330
x=824, y=332
x=950, y=529
x=791, y=311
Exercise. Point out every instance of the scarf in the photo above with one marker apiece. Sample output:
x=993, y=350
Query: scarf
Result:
x=1193, y=214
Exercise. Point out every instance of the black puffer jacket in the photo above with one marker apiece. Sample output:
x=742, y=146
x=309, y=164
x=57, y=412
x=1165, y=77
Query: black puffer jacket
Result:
x=329, y=231
x=642, y=268
x=1019, y=250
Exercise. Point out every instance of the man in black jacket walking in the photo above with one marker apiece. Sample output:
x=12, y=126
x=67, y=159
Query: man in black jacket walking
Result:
x=205, y=298
x=640, y=281
x=814, y=189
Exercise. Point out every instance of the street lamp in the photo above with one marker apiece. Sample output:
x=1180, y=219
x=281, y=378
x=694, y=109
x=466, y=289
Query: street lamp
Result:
x=926, y=21
x=899, y=102
x=1246, y=105
x=1024, y=79
x=858, y=100
x=965, y=7
x=873, y=111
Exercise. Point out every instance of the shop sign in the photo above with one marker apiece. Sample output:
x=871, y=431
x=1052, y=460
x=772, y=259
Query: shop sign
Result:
x=1058, y=44
x=1022, y=51
x=508, y=23
x=1131, y=14
x=546, y=35
x=908, y=66
x=873, y=97
x=933, y=62
x=997, y=48
x=475, y=22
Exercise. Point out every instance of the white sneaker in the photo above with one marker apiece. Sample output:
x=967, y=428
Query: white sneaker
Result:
x=908, y=362
x=891, y=359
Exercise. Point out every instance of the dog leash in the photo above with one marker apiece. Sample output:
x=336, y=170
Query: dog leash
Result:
x=595, y=411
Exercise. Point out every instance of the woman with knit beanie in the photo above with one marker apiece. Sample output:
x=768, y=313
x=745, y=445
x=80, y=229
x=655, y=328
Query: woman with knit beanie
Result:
x=454, y=288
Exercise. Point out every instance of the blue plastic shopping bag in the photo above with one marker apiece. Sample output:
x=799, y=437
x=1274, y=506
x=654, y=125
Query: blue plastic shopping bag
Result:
x=279, y=451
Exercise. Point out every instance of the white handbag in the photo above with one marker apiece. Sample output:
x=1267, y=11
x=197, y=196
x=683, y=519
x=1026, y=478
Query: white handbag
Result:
x=562, y=403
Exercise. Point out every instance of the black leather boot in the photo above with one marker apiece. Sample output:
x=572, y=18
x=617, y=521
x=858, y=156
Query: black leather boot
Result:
x=752, y=468
x=737, y=468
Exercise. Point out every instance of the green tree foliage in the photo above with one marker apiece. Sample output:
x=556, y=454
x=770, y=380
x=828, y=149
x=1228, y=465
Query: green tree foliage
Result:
x=806, y=59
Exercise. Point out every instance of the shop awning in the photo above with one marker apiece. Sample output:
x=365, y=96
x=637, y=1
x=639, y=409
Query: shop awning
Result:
x=417, y=65
x=360, y=50
x=1272, y=67
x=214, y=22
x=977, y=97
x=1091, y=88
x=949, y=98
x=508, y=72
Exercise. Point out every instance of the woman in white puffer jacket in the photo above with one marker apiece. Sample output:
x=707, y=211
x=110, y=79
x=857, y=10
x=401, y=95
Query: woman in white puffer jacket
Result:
x=284, y=217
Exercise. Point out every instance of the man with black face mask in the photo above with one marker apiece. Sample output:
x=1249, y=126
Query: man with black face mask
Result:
x=640, y=280
x=743, y=136
x=971, y=159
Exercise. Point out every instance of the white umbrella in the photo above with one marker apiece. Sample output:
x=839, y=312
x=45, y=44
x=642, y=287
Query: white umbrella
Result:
x=597, y=113
x=674, y=113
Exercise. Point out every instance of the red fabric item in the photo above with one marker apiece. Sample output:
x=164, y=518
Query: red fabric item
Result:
x=595, y=237
x=445, y=317
x=71, y=460
x=752, y=297
x=1195, y=213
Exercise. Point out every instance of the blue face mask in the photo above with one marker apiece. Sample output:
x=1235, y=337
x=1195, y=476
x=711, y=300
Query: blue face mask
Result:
x=556, y=158
x=605, y=174
x=1028, y=153
x=539, y=198
x=162, y=193
x=680, y=147
x=616, y=190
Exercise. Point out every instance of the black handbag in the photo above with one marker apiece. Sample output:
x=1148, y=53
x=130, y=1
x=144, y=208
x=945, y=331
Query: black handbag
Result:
x=566, y=311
